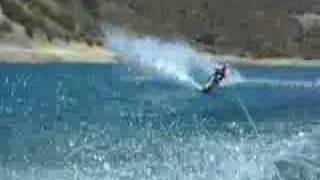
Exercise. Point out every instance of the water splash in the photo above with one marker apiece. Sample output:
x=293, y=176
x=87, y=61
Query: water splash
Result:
x=216, y=156
x=251, y=121
x=175, y=60
x=233, y=78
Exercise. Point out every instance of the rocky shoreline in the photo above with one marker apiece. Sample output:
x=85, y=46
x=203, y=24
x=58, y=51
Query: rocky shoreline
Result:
x=264, y=62
x=52, y=54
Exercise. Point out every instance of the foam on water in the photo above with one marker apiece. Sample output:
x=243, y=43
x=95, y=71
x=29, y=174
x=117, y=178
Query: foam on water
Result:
x=201, y=157
x=284, y=83
x=97, y=152
x=175, y=60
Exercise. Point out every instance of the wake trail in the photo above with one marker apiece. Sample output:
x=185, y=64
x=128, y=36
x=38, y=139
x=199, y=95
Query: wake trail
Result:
x=283, y=83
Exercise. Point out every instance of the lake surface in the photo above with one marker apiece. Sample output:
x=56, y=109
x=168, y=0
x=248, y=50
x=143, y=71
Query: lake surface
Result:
x=94, y=122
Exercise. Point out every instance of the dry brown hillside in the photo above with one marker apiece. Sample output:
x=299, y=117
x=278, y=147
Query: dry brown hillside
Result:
x=262, y=28
x=63, y=19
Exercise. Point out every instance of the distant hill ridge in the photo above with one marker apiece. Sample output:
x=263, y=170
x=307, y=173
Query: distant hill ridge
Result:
x=258, y=28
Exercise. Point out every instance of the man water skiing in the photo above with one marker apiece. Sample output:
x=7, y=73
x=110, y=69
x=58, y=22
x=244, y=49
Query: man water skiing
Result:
x=215, y=79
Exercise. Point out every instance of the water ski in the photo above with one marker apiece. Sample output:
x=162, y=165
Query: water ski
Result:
x=209, y=87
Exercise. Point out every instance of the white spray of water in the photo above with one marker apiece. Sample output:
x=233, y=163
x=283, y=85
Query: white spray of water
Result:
x=234, y=77
x=284, y=83
x=251, y=121
x=217, y=156
x=175, y=60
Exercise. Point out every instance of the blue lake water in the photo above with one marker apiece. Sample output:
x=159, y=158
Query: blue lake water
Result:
x=92, y=122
